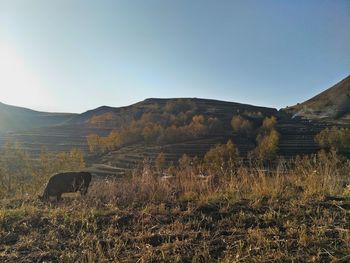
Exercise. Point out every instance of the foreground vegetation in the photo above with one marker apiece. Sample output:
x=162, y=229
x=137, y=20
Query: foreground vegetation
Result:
x=22, y=175
x=298, y=211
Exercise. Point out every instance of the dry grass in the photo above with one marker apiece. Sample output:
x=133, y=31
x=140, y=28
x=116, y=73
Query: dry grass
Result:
x=297, y=212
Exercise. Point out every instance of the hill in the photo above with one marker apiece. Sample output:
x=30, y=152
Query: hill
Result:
x=72, y=132
x=333, y=103
x=171, y=126
x=106, y=116
x=17, y=118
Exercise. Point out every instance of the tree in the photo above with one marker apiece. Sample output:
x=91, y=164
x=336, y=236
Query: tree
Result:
x=152, y=132
x=242, y=126
x=100, y=120
x=267, y=145
x=269, y=123
x=267, y=140
x=93, y=141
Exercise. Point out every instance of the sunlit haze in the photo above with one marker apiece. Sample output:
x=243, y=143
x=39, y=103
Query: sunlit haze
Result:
x=72, y=56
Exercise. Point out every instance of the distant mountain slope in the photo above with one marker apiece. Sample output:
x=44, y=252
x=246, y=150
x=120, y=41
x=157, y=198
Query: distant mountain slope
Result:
x=17, y=118
x=124, y=115
x=333, y=103
x=72, y=131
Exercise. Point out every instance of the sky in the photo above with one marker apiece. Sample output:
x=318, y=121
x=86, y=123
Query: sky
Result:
x=76, y=55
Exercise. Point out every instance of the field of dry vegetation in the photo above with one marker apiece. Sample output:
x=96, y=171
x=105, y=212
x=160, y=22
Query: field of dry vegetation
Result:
x=216, y=210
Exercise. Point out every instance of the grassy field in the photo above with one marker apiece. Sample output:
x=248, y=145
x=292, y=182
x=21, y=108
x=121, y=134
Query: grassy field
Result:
x=297, y=212
x=222, y=230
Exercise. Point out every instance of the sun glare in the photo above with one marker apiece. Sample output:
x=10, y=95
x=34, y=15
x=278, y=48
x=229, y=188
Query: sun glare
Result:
x=18, y=84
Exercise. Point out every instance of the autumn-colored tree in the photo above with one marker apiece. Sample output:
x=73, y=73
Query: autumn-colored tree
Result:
x=269, y=123
x=242, y=126
x=152, y=132
x=101, y=120
x=93, y=141
x=267, y=140
x=267, y=145
x=197, y=127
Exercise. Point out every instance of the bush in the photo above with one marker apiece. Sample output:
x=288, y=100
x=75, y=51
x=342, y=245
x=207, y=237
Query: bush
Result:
x=222, y=159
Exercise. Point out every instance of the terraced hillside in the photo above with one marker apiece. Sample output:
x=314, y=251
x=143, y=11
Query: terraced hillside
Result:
x=52, y=138
x=73, y=132
x=130, y=156
x=296, y=138
x=296, y=133
x=127, y=158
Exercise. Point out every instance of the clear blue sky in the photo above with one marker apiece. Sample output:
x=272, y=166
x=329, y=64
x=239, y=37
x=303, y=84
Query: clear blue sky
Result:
x=70, y=55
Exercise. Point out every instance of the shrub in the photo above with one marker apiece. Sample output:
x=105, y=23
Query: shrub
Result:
x=222, y=159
